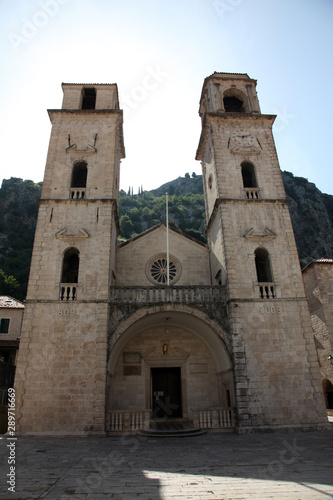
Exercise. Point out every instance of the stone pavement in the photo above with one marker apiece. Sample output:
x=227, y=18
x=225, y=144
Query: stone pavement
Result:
x=292, y=466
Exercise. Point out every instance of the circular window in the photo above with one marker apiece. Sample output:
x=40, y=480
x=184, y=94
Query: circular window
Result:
x=156, y=269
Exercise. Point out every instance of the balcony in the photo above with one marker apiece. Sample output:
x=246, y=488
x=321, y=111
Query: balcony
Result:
x=252, y=193
x=68, y=291
x=173, y=295
x=267, y=290
x=77, y=193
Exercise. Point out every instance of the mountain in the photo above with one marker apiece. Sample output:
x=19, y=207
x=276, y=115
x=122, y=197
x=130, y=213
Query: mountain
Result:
x=18, y=216
x=311, y=215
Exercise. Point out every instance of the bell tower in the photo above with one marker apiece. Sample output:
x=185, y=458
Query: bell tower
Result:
x=254, y=255
x=60, y=380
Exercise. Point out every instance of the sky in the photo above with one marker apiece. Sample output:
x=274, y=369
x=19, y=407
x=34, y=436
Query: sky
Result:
x=159, y=53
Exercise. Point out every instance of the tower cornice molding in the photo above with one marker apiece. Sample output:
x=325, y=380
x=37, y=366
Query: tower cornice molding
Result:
x=85, y=201
x=85, y=111
x=240, y=201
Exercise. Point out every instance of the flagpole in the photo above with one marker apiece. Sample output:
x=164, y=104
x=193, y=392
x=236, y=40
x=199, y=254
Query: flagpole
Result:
x=167, y=237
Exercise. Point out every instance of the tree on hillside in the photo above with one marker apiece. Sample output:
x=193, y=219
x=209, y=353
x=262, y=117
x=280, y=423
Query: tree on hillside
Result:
x=8, y=285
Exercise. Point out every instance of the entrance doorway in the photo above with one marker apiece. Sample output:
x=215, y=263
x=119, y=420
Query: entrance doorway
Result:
x=166, y=392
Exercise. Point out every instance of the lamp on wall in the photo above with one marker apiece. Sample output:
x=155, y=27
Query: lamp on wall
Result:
x=330, y=359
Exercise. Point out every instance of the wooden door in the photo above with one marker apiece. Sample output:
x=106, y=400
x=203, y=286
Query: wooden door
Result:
x=166, y=392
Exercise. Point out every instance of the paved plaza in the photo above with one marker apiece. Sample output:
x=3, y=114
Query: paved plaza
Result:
x=293, y=466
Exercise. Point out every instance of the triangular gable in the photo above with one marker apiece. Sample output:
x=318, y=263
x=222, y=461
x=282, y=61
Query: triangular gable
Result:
x=159, y=226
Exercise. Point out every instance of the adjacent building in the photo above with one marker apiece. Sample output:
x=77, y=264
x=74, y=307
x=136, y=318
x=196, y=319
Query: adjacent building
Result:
x=318, y=283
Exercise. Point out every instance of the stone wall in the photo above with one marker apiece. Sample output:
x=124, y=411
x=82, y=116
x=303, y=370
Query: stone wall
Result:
x=60, y=378
x=277, y=379
x=318, y=282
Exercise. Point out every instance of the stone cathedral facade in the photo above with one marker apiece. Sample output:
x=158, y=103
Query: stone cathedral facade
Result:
x=107, y=345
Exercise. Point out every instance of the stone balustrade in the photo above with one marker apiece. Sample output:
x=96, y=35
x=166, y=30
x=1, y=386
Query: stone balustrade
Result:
x=172, y=294
x=124, y=421
x=214, y=418
x=252, y=193
x=267, y=290
x=120, y=421
x=68, y=291
x=77, y=193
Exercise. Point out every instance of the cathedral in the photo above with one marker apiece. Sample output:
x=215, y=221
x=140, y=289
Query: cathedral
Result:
x=119, y=338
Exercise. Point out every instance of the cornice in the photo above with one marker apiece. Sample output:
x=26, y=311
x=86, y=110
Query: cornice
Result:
x=240, y=201
x=84, y=112
x=67, y=201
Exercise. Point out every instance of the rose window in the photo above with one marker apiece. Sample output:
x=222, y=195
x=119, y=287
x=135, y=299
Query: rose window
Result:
x=156, y=270
x=159, y=271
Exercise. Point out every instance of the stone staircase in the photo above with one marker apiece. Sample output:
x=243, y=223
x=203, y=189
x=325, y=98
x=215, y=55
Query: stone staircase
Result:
x=172, y=428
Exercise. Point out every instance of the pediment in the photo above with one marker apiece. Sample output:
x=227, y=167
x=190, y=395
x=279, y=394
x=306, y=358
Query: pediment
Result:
x=66, y=233
x=88, y=149
x=259, y=234
x=242, y=150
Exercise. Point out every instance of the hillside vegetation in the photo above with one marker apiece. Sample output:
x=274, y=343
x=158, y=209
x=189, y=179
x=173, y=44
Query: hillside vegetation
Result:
x=311, y=214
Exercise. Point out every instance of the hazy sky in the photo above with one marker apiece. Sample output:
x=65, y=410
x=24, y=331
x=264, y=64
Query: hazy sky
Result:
x=286, y=45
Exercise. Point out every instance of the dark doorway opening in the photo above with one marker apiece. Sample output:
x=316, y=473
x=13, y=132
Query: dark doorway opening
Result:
x=166, y=393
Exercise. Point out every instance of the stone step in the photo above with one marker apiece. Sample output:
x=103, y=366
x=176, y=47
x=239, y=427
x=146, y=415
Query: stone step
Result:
x=172, y=433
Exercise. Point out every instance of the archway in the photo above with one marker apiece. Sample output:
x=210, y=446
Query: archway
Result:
x=169, y=363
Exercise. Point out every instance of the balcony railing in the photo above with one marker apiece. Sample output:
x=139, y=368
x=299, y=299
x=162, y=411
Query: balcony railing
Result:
x=172, y=294
x=252, y=193
x=267, y=290
x=77, y=193
x=68, y=291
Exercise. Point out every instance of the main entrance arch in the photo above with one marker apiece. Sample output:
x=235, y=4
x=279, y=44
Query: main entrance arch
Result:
x=168, y=364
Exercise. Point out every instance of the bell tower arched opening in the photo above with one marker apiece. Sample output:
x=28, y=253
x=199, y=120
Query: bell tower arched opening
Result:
x=235, y=101
x=79, y=175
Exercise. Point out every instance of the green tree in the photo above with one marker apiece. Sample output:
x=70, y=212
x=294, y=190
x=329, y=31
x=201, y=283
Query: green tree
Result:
x=126, y=226
x=8, y=284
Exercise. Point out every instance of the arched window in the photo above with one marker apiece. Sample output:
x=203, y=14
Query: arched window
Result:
x=249, y=176
x=233, y=105
x=70, y=266
x=263, y=266
x=235, y=101
x=79, y=175
x=264, y=274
